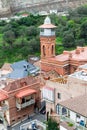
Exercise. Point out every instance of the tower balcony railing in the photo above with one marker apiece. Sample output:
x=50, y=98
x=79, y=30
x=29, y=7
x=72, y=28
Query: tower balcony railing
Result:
x=25, y=104
x=47, y=34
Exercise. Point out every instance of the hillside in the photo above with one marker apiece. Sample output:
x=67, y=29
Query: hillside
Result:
x=20, y=38
x=35, y=6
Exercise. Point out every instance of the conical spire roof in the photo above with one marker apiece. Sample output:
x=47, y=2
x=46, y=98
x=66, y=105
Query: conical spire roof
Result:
x=47, y=23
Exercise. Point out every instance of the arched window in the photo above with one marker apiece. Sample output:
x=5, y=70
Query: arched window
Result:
x=44, y=51
x=52, y=49
x=64, y=111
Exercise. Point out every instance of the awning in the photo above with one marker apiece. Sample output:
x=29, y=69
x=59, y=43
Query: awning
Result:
x=25, y=92
x=3, y=96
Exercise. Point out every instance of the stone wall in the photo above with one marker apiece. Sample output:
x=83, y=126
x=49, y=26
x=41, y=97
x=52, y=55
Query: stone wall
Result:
x=4, y=7
x=39, y=5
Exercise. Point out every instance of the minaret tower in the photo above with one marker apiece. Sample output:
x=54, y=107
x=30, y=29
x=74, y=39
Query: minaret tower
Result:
x=47, y=39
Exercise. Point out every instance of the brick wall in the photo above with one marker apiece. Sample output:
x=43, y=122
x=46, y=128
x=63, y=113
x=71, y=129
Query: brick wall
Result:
x=19, y=115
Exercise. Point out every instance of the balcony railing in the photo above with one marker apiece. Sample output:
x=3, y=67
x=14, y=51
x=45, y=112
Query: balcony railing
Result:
x=47, y=34
x=4, y=107
x=23, y=105
x=75, y=125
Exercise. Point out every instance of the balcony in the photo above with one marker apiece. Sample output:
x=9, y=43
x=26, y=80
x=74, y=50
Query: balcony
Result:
x=4, y=107
x=47, y=34
x=71, y=123
x=25, y=104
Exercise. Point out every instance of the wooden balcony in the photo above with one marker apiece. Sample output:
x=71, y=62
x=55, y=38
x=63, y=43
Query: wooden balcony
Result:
x=25, y=104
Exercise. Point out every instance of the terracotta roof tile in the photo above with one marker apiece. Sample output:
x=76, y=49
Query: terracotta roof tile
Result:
x=25, y=92
x=47, y=26
x=20, y=83
x=3, y=95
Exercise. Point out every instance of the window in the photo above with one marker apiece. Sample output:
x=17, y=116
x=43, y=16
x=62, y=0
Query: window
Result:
x=59, y=95
x=78, y=116
x=13, y=120
x=52, y=49
x=44, y=51
x=19, y=118
x=24, y=115
x=64, y=111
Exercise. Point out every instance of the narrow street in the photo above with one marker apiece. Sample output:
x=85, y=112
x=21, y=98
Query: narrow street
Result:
x=37, y=116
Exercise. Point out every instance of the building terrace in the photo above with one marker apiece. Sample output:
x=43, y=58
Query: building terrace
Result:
x=74, y=111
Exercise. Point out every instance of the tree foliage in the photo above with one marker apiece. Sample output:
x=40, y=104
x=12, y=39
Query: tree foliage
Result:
x=52, y=124
x=9, y=37
x=22, y=36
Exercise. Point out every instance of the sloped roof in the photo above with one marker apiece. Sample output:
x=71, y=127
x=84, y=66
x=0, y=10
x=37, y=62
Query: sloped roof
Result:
x=17, y=74
x=83, y=66
x=77, y=104
x=47, y=23
x=6, y=66
x=3, y=95
x=47, y=26
x=20, y=83
x=21, y=69
x=25, y=92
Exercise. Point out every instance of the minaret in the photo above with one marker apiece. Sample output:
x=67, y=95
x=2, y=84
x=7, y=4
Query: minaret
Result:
x=47, y=39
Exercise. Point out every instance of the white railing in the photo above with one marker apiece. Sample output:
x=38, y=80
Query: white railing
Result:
x=47, y=34
x=29, y=125
x=4, y=107
x=75, y=124
x=23, y=105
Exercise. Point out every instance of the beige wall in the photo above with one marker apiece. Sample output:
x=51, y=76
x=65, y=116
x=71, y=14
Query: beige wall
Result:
x=74, y=87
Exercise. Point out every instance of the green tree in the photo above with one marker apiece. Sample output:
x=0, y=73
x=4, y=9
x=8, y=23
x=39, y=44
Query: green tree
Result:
x=82, y=11
x=7, y=27
x=80, y=42
x=31, y=32
x=68, y=39
x=52, y=124
x=34, y=44
x=9, y=37
x=84, y=30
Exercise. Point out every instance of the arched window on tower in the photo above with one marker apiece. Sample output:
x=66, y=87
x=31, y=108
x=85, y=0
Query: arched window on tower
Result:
x=44, y=51
x=52, y=49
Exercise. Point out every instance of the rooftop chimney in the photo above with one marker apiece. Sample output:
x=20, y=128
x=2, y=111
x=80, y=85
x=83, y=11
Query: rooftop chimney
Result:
x=70, y=55
x=65, y=52
x=77, y=51
x=82, y=49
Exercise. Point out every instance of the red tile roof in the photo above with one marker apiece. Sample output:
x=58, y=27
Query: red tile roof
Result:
x=25, y=92
x=18, y=84
x=47, y=26
x=3, y=96
x=80, y=54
